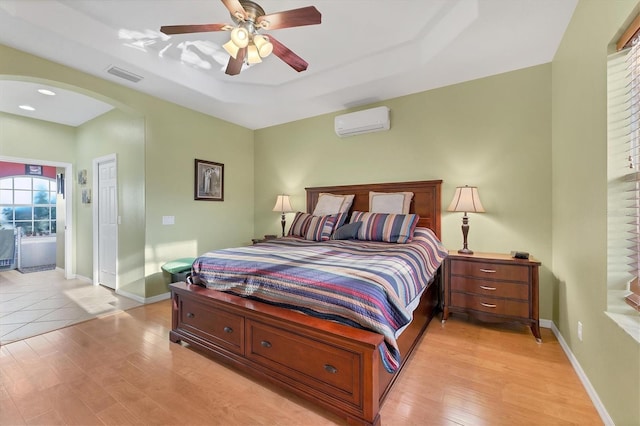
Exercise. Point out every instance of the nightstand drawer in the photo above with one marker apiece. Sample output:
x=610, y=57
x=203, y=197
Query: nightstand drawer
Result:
x=491, y=305
x=490, y=288
x=490, y=270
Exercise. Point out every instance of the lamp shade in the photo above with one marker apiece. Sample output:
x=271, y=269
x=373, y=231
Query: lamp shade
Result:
x=283, y=205
x=231, y=48
x=252, y=54
x=263, y=44
x=466, y=199
x=240, y=36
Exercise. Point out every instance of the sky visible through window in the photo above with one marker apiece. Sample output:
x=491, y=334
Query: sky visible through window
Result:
x=29, y=203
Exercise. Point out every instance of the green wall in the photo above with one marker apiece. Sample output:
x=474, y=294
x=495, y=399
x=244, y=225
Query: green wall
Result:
x=175, y=138
x=23, y=137
x=494, y=133
x=122, y=134
x=609, y=357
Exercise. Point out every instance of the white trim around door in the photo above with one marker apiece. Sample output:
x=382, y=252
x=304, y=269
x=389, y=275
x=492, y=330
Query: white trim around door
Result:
x=69, y=264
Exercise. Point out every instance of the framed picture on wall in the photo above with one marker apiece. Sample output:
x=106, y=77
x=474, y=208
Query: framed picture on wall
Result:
x=32, y=170
x=86, y=196
x=208, y=181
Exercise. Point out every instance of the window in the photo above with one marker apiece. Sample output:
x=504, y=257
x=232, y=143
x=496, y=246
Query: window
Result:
x=29, y=203
x=623, y=110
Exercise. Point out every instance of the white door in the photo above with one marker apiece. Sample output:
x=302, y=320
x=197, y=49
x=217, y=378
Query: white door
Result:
x=107, y=223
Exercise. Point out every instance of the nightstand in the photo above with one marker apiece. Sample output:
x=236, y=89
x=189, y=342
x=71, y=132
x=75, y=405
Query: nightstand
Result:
x=262, y=240
x=492, y=287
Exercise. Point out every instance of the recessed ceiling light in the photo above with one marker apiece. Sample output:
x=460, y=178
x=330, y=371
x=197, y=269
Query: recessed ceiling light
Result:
x=47, y=92
x=27, y=107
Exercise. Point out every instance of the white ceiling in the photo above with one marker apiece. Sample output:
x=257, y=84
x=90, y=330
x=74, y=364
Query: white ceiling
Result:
x=364, y=51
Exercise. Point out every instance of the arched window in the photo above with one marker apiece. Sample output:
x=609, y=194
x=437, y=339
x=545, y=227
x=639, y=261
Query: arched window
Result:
x=29, y=203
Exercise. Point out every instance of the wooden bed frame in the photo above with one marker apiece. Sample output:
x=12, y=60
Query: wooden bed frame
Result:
x=333, y=365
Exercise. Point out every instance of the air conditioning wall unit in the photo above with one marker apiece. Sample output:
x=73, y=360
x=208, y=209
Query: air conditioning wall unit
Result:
x=365, y=121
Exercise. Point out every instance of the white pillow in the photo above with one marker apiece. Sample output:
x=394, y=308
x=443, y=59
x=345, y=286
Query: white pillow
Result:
x=332, y=204
x=390, y=202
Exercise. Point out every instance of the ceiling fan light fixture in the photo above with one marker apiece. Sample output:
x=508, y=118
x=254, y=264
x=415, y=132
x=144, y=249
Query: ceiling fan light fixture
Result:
x=231, y=49
x=245, y=45
x=263, y=45
x=252, y=54
x=240, y=36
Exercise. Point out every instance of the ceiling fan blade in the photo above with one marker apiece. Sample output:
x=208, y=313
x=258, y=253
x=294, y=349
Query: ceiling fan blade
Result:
x=290, y=58
x=184, y=29
x=235, y=8
x=290, y=18
x=235, y=65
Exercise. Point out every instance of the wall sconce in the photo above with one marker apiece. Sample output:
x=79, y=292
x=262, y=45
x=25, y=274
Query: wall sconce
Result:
x=283, y=205
x=466, y=199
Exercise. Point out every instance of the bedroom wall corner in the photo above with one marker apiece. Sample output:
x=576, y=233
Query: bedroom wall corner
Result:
x=176, y=136
x=493, y=132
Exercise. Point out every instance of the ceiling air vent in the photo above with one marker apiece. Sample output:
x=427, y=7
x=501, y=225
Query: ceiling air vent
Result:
x=119, y=72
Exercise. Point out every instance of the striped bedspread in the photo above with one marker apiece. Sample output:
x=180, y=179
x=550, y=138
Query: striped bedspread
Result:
x=371, y=285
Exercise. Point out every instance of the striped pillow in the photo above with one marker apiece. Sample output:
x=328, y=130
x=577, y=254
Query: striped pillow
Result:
x=314, y=228
x=391, y=228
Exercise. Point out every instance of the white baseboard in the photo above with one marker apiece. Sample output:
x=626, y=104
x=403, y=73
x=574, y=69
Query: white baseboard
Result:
x=83, y=278
x=144, y=300
x=604, y=415
x=158, y=298
x=546, y=323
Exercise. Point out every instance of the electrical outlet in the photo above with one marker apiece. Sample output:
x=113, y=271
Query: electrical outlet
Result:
x=580, y=331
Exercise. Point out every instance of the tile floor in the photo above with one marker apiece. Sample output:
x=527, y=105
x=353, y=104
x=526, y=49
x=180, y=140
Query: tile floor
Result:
x=39, y=302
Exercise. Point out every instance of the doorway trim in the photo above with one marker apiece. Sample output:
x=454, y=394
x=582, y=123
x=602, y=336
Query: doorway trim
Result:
x=69, y=266
x=96, y=208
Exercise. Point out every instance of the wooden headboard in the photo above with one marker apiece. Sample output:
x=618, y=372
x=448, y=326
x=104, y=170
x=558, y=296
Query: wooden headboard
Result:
x=425, y=202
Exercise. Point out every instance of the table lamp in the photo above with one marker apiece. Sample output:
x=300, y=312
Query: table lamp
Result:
x=283, y=205
x=466, y=199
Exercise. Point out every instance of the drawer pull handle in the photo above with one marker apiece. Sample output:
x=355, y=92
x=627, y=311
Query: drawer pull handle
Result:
x=484, y=287
x=330, y=368
x=265, y=344
x=228, y=330
x=488, y=271
x=191, y=315
x=488, y=305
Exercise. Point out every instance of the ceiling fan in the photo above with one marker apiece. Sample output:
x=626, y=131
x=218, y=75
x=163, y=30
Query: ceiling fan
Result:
x=246, y=42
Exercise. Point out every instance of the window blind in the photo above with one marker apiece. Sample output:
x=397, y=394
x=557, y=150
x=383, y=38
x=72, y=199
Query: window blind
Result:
x=624, y=165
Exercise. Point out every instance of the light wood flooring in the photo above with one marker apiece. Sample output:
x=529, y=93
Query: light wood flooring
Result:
x=122, y=369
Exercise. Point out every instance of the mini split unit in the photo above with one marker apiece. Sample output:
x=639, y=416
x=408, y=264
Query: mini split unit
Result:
x=365, y=121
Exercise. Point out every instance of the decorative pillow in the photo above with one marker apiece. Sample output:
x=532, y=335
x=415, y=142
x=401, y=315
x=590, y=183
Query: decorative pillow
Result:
x=390, y=202
x=392, y=228
x=310, y=227
x=347, y=232
x=333, y=204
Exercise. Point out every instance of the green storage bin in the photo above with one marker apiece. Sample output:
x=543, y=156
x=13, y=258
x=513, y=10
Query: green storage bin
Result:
x=179, y=268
